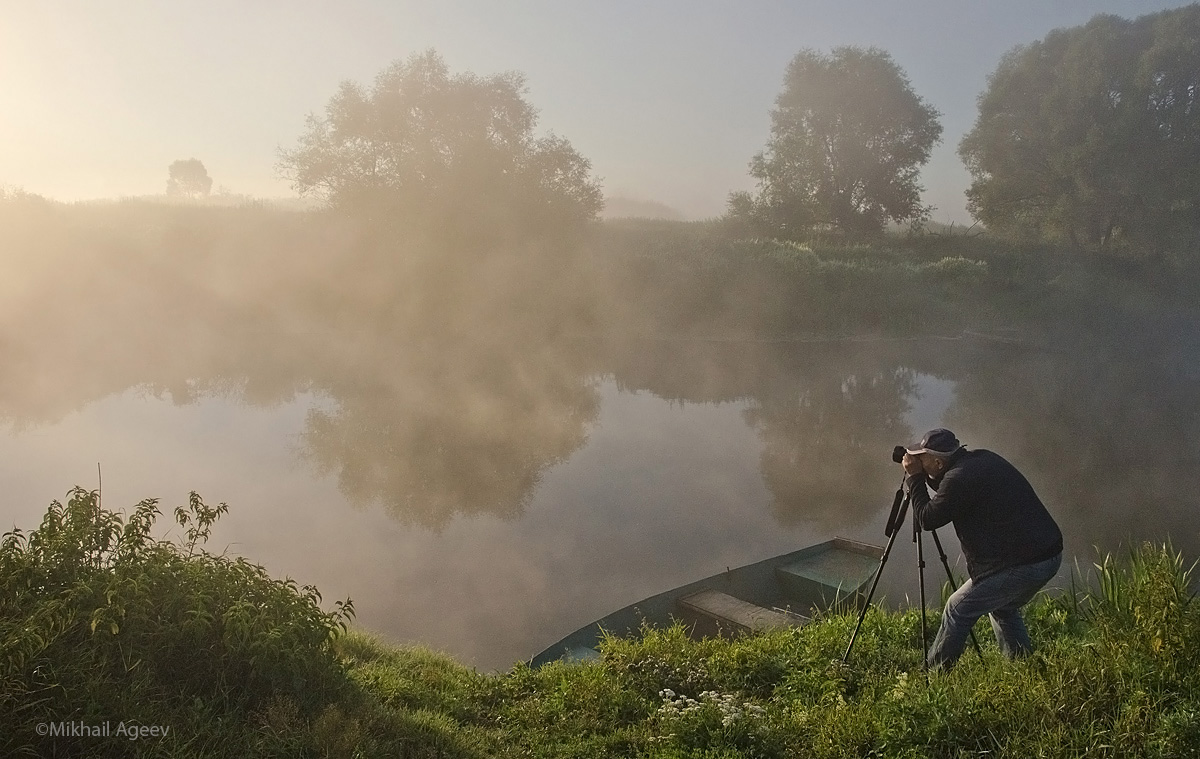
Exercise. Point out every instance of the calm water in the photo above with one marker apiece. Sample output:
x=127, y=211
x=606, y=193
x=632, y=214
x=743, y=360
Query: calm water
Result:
x=486, y=501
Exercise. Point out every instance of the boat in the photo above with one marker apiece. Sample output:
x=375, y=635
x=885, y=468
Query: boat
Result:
x=774, y=593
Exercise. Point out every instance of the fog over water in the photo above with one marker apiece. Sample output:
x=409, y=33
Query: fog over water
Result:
x=489, y=510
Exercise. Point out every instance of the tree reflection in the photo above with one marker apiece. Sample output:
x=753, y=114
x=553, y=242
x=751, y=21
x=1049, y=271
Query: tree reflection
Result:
x=432, y=435
x=828, y=413
x=828, y=439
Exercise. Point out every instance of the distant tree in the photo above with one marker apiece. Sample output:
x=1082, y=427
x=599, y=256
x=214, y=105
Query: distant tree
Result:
x=848, y=139
x=188, y=179
x=1092, y=134
x=625, y=208
x=19, y=194
x=458, y=150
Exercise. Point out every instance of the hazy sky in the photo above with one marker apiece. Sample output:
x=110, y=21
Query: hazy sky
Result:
x=669, y=100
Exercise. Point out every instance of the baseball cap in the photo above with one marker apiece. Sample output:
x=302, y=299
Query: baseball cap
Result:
x=939, y=442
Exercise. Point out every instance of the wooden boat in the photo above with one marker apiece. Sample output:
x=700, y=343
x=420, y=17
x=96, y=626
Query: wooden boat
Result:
x=768, y=594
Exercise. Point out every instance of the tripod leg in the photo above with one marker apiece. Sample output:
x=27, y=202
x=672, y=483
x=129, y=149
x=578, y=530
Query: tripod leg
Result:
x=945, y=563
x=921, y=573
x=871, y=594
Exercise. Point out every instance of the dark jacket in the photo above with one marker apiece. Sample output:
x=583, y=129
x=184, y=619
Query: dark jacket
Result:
x=999, y=520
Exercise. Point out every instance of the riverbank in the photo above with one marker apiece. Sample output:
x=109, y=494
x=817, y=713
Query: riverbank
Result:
x=105, y=626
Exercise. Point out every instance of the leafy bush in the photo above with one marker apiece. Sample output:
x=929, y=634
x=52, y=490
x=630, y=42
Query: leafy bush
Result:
x=101, y=621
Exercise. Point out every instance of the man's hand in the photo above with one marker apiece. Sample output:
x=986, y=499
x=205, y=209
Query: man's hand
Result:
x=912, y=464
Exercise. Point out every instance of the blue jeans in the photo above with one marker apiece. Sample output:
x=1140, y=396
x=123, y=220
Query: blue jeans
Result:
x=1001, y=595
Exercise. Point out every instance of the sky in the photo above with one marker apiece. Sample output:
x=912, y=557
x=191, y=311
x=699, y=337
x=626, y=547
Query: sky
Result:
x=668, y=99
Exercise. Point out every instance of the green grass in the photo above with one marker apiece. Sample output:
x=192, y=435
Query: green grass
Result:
x=102, y=622
x=697, y=278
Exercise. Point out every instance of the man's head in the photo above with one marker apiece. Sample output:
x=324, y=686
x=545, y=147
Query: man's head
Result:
x=934, y=450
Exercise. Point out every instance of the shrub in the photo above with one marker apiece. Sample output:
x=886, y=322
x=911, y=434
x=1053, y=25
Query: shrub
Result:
x=101, y=621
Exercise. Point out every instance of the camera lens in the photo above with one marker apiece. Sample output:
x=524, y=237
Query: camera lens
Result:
x=898, y=454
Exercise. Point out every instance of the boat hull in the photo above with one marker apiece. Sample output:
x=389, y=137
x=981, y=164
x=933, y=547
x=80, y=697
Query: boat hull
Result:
x=795, y=584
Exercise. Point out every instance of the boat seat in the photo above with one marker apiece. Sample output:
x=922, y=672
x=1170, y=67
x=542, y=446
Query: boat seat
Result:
x=728, y=610
x=826, y=578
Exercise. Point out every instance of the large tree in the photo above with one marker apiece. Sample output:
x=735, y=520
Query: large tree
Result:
x=188, y=178
x=848, y=139
x=455, y=149
x=1092, y=134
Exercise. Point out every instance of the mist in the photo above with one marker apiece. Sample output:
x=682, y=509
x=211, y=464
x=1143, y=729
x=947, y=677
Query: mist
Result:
x=521, y=443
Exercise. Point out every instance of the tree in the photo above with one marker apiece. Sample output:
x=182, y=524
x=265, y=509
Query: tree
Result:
x=848, y=138
x=424, y=145
x=188, y=179
x=1092, y=135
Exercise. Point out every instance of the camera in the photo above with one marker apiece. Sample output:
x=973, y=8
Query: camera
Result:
x=898, y=454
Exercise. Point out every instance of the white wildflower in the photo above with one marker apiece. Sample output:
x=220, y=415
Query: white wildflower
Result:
x=900, y=689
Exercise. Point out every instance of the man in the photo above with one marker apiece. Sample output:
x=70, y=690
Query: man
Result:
x=1012, y=545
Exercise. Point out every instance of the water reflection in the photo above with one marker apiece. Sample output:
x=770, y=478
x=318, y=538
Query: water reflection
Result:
x=827, y=440
x=437, y=427
x=429, y=435
x=1111, y=438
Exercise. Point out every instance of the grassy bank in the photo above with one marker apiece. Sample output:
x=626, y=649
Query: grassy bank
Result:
x=102, y=623
x=700, y=278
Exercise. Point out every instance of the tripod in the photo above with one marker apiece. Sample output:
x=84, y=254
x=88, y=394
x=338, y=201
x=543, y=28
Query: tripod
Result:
x=895, y=520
